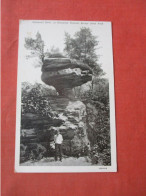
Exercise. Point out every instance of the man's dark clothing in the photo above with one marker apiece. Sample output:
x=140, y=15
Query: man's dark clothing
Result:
x=58, y=151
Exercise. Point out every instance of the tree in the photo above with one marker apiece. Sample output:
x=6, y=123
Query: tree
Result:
x=54, y=53
x=36, y=46
x=83, y=47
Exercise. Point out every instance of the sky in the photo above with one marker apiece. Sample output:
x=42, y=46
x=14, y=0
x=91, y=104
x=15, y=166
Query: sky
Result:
x=52, y=33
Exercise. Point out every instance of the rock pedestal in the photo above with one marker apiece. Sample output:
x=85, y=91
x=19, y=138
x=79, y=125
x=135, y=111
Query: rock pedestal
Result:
x=65, y=74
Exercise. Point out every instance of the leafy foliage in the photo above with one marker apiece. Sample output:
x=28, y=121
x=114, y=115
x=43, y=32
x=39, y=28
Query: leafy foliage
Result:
x=36, y=46
x=54, y=53
x=37, y=49
x=32, y=152
x=99, y=124
x=34, y=99
x=83, y=47
x=96, y=99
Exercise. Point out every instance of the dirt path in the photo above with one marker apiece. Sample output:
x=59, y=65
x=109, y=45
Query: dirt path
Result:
x=71, y=161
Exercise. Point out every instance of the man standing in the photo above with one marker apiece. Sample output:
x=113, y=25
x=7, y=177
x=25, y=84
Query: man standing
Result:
x=58, y=139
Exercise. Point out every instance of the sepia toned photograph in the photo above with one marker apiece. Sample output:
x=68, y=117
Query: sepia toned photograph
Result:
x=65, y=119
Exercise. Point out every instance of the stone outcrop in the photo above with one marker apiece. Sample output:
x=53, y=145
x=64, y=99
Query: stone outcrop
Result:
x=65, y=74
x=44, y=113
x=71, y=121
x=73, y=128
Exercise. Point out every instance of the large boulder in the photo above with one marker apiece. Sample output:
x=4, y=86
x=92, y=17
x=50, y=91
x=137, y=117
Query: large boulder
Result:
x=65, y=74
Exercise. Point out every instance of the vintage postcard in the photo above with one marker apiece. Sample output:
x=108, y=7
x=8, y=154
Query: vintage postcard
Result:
x=65, y=118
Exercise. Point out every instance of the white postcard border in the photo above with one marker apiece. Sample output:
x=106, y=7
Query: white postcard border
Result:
x=68, y=169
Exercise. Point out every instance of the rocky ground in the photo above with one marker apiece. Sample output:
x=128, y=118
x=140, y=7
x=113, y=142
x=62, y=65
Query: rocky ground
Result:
x=70, y=161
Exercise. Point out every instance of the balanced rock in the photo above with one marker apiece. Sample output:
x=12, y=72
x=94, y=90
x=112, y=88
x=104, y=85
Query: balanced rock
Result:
x=65, y=74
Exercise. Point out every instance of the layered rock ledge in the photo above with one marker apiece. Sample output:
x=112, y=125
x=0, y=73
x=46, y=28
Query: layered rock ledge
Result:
x=65, y=74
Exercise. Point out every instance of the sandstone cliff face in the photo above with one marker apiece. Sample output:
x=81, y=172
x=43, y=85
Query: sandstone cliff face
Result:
x=73, y=128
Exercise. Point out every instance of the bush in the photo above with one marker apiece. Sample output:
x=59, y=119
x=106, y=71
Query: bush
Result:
x=23, y=153
x=32, y=152
x=102, y=156
x=106, y=157
x=37, y=152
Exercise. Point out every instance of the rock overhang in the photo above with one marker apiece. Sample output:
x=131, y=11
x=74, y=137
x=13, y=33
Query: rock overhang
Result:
x=64, y=73
x=56, y=64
